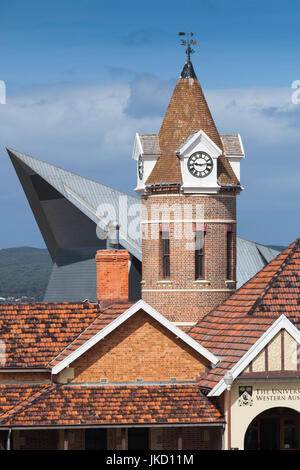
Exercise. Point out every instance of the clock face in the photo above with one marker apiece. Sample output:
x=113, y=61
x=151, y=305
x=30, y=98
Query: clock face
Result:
x=200, y=164
x=140, y=167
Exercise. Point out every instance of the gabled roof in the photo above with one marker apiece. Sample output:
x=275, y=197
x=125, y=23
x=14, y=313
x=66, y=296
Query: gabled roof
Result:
x=150, y=144
x=103, y=320
x=282, y=323
x=189, y=143
x=34, y=334
x=232, y=144
x=71, y=405
x=231, y=329
x=145, y=144
x=99, y=330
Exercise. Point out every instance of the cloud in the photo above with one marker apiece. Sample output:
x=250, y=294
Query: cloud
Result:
x=262, y=114
x=148, y=97
x=72, y=121
x=90, y=128
x=103, y=118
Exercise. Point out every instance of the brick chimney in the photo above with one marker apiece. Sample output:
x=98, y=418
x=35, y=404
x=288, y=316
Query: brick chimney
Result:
x=112, y=275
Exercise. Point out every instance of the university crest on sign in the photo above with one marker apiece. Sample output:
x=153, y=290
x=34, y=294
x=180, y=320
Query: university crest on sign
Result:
x=245, y=395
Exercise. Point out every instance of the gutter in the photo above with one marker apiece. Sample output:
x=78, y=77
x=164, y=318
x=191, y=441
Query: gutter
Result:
x=24, y=370
x=109, y=426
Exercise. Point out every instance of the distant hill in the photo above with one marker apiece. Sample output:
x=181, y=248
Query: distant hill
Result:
x=24, y=271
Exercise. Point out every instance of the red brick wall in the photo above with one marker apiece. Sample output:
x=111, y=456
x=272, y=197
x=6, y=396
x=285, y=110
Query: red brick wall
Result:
x=112, y=274
x=183, y=298
x=140, y=348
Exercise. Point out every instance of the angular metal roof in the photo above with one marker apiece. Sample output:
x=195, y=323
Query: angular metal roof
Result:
x=98, y=202
x=68, y=207
x=251, y=258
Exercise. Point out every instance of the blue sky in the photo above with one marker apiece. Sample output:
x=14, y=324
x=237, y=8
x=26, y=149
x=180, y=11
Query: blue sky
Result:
x=83, y=76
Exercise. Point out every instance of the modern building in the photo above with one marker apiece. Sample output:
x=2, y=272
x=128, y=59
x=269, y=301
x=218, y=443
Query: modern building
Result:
x=188, y=361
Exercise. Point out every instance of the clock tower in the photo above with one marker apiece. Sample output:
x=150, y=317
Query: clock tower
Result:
x=188, y=178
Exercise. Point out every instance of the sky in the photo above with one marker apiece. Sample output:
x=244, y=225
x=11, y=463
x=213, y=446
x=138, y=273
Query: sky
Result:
x=83, y=76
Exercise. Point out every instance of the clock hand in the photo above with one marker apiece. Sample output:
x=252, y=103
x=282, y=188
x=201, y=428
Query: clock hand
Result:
x=200, y=165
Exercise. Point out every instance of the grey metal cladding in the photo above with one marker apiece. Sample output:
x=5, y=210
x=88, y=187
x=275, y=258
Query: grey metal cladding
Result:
x=82, y=198
x=89, y=196
x=267, y=252
x=251, y=258
x=73, y=277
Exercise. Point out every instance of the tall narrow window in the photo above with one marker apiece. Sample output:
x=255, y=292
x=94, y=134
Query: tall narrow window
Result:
x=229, y=255
x=199, y=255
x=165, y=253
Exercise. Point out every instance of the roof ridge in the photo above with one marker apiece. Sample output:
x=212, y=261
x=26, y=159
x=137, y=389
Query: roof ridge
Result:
x=26, y=402
x=101, y=313
x=275, y=277
x=15, y=152
x=243, y=286
x=77, y=337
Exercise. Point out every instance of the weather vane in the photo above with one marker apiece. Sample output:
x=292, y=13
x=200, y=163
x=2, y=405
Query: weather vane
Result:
x=188, y=42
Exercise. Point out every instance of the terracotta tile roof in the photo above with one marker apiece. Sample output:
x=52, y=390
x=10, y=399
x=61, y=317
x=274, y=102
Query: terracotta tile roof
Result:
x=233, y=327
x=34, y=334
x=105, y=318
x=12, y=395
x=225, y=173
x=231, y=144
x=103, y=405
x=188, y=112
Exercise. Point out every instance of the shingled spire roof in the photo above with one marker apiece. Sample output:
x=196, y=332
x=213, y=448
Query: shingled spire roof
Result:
x=188, y=112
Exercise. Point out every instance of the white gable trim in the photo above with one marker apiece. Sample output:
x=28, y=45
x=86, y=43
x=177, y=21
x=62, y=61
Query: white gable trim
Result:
x=281, y=323
x=241, y=144
x=190, y=142
x=137, y=147
x=140, y=305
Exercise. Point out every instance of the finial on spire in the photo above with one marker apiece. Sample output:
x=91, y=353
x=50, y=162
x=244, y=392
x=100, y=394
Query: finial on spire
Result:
x=188, y=42
x=188, y=69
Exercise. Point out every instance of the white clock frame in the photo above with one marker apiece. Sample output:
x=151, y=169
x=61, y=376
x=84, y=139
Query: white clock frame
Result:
x=198, y=142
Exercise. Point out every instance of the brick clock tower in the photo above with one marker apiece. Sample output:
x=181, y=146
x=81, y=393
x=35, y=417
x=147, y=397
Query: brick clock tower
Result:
x=188, y=178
